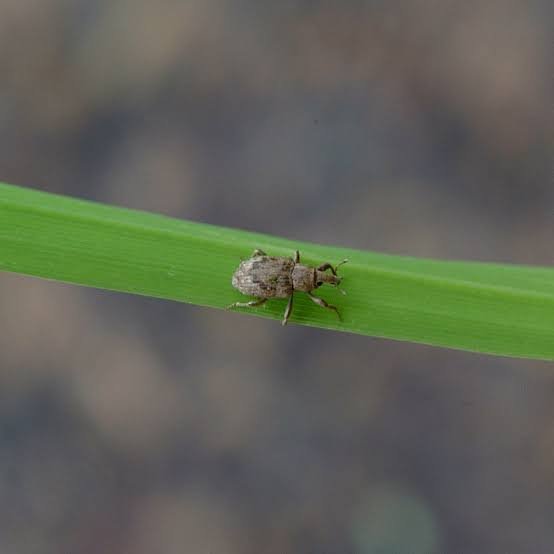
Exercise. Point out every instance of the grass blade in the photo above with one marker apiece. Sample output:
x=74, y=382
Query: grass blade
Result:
x=493, y=308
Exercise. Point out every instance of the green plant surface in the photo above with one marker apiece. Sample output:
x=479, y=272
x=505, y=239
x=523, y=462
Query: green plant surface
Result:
x=484, y=307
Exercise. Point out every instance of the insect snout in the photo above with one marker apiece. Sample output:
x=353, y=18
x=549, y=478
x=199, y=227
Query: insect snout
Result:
x=337, y=282
x=330, y=278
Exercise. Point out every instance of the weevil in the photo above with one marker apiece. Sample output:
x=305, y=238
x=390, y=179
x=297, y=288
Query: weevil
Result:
x=266, y=277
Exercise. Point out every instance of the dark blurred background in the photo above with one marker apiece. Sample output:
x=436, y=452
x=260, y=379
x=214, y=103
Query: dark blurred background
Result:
x=134, y=425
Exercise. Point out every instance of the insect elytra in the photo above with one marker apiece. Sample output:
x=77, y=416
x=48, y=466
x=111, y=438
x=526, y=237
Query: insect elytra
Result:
x=266, y=277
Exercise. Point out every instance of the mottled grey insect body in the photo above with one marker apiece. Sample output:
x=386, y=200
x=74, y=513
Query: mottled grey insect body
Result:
x=266, y=277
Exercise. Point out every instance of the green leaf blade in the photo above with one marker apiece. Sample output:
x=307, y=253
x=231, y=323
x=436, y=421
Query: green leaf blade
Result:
x=493, y=308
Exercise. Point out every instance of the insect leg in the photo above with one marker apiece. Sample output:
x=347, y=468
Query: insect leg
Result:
x=327, y=265
x=258, y=252
x=251, y=304
x=288, y=310
x=323, y=304
x=296, y=256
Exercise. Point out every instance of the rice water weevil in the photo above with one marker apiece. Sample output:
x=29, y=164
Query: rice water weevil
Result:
x=266, y=277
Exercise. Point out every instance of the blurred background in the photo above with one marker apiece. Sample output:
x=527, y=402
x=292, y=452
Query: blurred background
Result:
x=134, y=425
